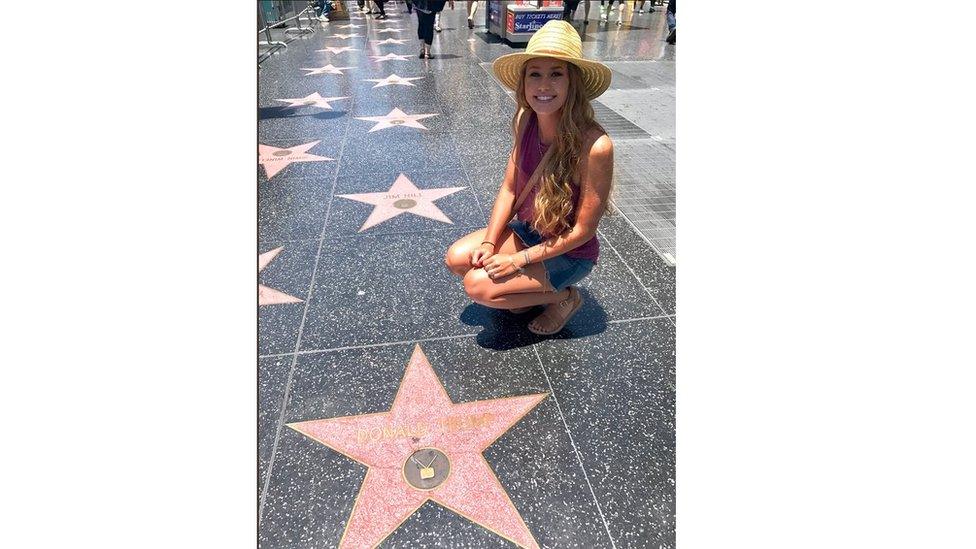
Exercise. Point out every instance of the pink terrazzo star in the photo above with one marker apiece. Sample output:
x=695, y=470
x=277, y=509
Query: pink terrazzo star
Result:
x=337, y=50
x=311, y=100
x=396, y=117
x=389, y=41
x=423, y=417
x=328, y=69
x=274, y=159
x=393, y=79
x=270, y=296
x=389, y=57
x=403, y=197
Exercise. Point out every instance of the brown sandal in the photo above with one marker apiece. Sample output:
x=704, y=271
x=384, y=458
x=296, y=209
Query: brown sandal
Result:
x=558, y=313
x=521, y=310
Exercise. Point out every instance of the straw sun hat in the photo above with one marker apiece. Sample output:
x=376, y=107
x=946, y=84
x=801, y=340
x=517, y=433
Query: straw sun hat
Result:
x=559, y=40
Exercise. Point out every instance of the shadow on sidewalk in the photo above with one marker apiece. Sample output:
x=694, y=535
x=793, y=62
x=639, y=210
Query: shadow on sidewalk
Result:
x=504, y=331
x=267, y=113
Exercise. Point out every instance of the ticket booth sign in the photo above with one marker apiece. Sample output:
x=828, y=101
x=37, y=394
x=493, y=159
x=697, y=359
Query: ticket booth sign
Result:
x=529, y=21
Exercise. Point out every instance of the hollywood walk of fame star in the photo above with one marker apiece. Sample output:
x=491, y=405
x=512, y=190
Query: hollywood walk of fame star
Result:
x=274, y=159
x=270, y=296
x=396, y=118
x=424, y=420
x=390, y=30
x=403, y=197
x=346, y=36
x=338, y=50
x=350, y=26
x=328, y=69
x=390, y=41
x=389, y=57
x=312, y=100
x=394, y=79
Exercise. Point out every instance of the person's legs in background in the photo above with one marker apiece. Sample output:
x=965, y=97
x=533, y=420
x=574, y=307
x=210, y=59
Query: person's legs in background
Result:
x=568, y=8
x=379, y=6
x=323, y=11
x=606, y=10
x=472, y=9
x=425, y=32
x=672, y=22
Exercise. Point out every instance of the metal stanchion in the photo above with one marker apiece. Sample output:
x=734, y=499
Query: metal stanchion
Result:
x=267, y=32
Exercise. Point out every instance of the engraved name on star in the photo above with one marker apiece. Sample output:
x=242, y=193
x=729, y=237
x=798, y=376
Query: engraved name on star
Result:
x=312, y=100
x=403, y=197
x=393, y=79
x=337, y=50
x=389, y=57
x=275, y=159
x=270, y=296
x=426, y=448
x=389, y=41
x=328, y=69
x=396, y=117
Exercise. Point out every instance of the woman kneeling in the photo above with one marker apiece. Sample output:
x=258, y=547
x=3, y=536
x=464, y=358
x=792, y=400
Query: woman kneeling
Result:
x=557, y=183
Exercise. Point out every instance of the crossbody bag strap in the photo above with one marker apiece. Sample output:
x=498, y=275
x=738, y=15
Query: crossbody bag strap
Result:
x=536, y=175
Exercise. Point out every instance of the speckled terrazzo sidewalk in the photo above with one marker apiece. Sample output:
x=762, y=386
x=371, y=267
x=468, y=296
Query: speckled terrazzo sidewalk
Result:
x=369, y=346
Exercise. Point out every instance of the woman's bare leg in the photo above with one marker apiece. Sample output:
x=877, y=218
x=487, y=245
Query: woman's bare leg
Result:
x=515, y=291
x=458, y=256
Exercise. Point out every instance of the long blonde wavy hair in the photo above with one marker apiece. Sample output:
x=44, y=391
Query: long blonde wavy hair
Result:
x=554, y=199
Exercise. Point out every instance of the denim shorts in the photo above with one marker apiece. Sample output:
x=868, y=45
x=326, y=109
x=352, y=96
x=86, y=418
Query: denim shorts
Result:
x=561, y=271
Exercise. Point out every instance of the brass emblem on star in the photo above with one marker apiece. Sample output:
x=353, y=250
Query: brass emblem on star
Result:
x=284, y=152
x=426, y=469
x=405, y=204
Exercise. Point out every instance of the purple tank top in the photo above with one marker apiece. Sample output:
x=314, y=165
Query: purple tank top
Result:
x=532, y=150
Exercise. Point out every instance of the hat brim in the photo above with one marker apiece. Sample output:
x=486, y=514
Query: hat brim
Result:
x=596, y=76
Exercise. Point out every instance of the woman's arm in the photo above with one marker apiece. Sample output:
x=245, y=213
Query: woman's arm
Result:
x=596, y=176
x=501, y=213
x=504, y=202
